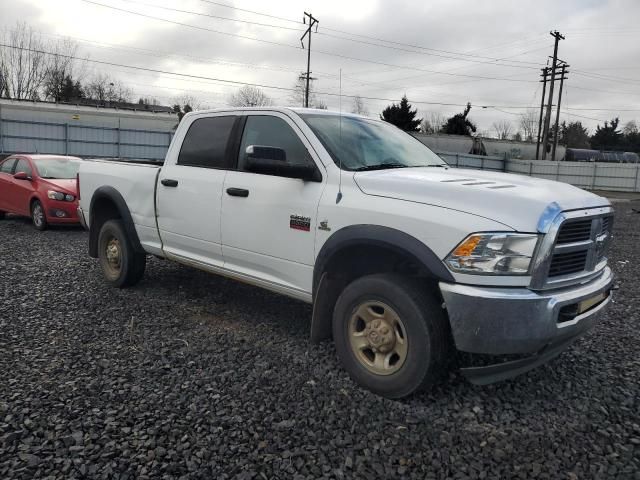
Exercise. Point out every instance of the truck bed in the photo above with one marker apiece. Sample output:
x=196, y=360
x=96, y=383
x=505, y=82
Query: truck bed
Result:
x=135, y=182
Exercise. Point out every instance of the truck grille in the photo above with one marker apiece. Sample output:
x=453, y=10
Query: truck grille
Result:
x=565, y=263
x=576, y=231
x=580, y=245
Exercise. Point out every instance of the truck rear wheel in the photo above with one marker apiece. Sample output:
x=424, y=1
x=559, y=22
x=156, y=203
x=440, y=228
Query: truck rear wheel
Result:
x=391, y=334
x=121, y=264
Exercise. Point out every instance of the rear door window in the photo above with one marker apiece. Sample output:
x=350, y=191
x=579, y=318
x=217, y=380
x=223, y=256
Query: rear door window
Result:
x=205, y=144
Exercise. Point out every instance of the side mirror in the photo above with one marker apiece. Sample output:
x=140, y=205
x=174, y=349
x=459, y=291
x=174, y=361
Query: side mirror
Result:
x=21, y=176
x=273, y=161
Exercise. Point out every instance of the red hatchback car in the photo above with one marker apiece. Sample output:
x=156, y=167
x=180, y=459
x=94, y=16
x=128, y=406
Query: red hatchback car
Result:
x=42, y=187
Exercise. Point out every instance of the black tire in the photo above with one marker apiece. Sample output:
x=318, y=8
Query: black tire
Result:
x=2, y=214
x=422, y=321
x=121, y=264
x=38, y=216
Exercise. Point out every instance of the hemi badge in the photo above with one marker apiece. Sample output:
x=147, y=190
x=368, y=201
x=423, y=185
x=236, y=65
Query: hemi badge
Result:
x=298, y=222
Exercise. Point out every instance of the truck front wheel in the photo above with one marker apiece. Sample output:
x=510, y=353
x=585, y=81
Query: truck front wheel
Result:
x=121, y=264
x=391, y=334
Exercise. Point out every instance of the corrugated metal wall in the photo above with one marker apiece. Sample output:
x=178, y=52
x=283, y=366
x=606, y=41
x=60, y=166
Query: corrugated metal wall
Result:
x=25, y=136
x=43, y=127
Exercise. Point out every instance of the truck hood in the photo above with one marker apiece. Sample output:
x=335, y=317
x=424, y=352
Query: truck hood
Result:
x=516, y=201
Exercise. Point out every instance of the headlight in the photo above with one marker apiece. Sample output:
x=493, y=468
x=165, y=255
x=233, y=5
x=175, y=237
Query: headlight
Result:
x=53, y=195
x=493, y=254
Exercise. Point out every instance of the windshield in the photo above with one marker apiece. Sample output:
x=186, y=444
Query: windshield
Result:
x=56, y=168
x=362, y=144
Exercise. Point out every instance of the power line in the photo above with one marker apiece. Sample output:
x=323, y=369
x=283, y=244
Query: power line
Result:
x=605, y=91
x=609, y=78
x=345, y=57
x=491, y=60
x=217, y=17
x=245, y=37
x=357, y=35
x=236, y=82
x=164, y=54
x=250, y=11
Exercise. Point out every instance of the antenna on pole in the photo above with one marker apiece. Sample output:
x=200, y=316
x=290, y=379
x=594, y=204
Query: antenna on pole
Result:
x=339, y=196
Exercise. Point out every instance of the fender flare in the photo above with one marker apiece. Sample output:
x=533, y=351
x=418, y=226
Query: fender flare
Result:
x=114, y=196
x=326, y=291
x=376, y=235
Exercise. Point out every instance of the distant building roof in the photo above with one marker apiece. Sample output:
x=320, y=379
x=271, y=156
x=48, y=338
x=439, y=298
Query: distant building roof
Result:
x=87, y=102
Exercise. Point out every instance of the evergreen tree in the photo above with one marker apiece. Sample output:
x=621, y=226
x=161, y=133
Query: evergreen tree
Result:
x=402, y=116
x=574, y=135
x=607, y=137
x=459, y=124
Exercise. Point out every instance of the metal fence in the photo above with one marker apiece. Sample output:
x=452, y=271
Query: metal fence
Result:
x=27, y=136
x=621, y=177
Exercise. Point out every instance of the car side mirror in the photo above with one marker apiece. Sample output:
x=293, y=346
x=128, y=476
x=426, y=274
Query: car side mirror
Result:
x=21, y=176
x=273, y=161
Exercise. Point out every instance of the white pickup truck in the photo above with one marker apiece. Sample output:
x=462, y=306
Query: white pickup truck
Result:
x=407, y=262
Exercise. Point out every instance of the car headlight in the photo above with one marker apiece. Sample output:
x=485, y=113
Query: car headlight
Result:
x=493, y=254
x=61, y=197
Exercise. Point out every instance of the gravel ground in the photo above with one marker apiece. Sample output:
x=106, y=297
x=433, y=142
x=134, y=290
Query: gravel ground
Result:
x=189, y=375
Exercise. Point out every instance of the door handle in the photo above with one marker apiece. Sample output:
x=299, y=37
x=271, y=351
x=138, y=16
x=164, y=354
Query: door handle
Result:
x=238, y=192
x=167, y=182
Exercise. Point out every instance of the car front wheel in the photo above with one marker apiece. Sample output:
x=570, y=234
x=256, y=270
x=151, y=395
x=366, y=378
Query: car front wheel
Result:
x=38, y=216
x=391, y=334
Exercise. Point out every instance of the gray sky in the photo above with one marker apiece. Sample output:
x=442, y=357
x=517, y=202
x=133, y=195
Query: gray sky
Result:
x=451, y=52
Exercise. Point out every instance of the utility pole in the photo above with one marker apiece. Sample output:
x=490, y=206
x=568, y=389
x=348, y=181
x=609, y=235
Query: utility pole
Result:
x=557, y=131
x=312, y=21
x=547, y=118
x=545, y=74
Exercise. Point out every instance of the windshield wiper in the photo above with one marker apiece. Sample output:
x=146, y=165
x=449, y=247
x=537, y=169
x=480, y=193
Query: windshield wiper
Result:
x=438, y=165
x=380, y=166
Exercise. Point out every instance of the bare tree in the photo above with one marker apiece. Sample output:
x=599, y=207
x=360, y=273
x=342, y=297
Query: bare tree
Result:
x=63, y=71
x=359, y=107
x=104, y=88
x=250, y=96
x=503, y=129
x=297, y=96
x=320, y=104
x=22, y=63
x=433, y=122
x=189, y=102
x=630, y=128
x=528, y=123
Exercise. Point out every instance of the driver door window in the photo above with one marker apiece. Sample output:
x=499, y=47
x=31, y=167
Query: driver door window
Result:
x=23, y=166
x=269, y=131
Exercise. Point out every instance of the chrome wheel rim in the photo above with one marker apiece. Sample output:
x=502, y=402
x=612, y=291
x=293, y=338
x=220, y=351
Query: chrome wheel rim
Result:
x=38, y=215
x=378, y=338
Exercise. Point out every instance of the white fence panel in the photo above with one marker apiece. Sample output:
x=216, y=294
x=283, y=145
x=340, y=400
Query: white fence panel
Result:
x=622, y=177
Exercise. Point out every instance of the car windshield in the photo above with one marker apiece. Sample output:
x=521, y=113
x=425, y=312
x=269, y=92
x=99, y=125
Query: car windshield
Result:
x=57, y=168
x=358, y=144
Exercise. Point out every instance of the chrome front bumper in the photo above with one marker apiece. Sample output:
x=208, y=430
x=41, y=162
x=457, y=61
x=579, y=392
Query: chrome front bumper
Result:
x=500, y=321
x=83, y=222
